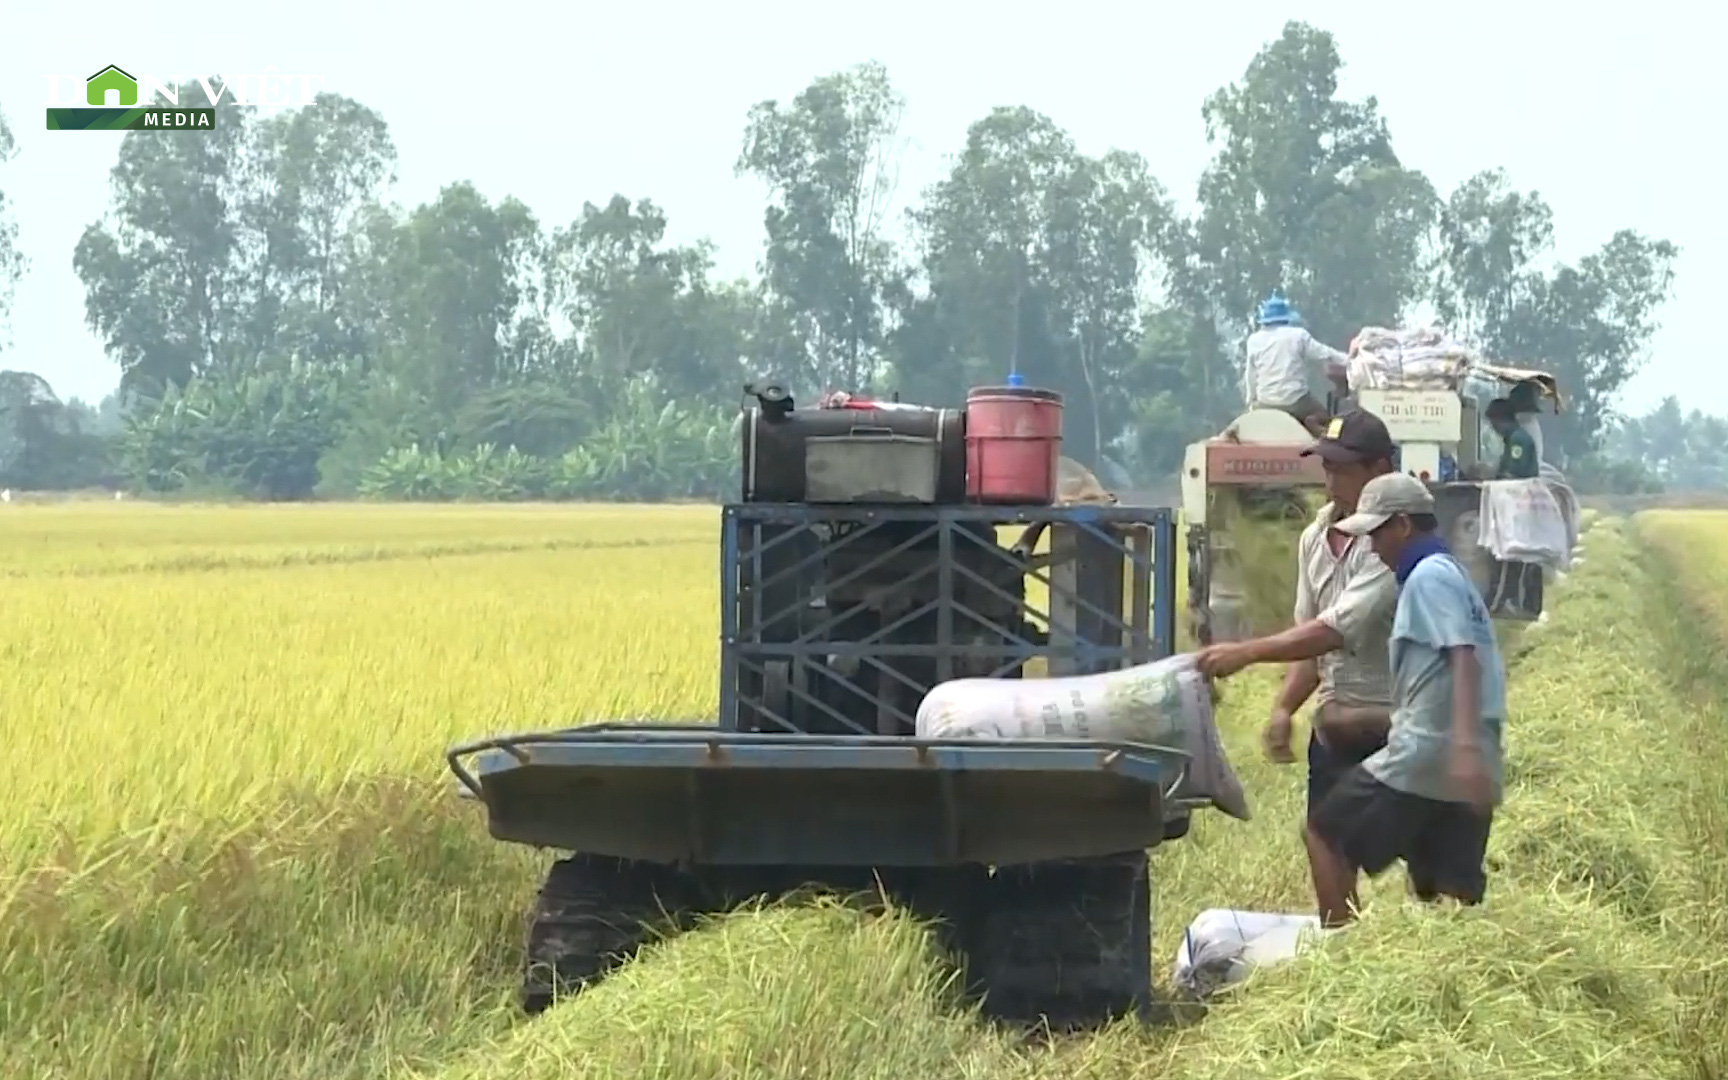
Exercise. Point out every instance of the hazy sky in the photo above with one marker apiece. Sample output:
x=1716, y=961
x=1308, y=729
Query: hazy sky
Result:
x=1609, y=116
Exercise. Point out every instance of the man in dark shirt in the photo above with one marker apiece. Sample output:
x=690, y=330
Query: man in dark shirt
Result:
x=1518, y=459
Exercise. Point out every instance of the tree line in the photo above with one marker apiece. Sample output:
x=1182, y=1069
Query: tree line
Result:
x=282, y=330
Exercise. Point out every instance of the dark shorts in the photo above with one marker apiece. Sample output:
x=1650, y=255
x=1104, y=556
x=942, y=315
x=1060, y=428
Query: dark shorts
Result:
x=1328, y=764
x=1306, y=408
x=1442, y=844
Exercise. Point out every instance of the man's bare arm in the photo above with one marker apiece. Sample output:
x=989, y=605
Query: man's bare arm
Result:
x=1315, y=634
x=1301, y=679
x=1306, y=641
x=1466, y=695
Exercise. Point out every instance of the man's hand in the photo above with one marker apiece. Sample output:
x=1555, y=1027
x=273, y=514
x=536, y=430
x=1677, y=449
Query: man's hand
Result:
x=1276, y=737
x=1470, y=776
x=1224, y=659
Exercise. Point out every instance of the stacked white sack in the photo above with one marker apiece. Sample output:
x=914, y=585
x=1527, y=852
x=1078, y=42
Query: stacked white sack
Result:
x=1419, y=358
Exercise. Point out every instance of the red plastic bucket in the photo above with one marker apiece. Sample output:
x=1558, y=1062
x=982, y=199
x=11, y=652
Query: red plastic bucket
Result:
x=1013, y=442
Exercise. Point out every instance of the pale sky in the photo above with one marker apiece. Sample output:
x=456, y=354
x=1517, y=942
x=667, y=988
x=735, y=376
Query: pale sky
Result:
x=1606, y=110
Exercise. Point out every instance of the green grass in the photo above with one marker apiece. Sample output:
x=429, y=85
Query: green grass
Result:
x=353, y=920
x=1596, y=955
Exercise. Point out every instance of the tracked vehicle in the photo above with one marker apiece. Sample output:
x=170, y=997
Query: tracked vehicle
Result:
x=875, y=551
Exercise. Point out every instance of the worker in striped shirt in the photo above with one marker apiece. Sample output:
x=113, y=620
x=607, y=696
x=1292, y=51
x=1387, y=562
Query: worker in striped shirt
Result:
x=1337, y=651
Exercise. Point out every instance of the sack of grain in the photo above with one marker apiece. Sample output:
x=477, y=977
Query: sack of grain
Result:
x=1414, y=358
x=1221, y=947
x=1165, y=703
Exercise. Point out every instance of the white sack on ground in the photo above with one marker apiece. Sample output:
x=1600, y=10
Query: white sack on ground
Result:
x=1521, y=521
x=1221, y=947
x=1165, y=703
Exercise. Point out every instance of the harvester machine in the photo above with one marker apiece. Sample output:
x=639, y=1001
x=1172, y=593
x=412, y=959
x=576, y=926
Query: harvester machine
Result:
x=877, y=550
x=1255, y=470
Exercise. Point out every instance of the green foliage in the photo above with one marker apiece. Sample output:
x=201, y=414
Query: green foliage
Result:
x=256, y=434
x=1589, y=324
x=1306, y=194
x=830, y=160
x=1035, y=255
x=45, y=443
x=1601, y=474
x=425, y=339
x=1676, y=450
x=645, y=450
x=483, y=473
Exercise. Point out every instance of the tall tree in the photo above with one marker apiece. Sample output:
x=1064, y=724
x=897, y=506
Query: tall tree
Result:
x=1305, y=194
x=831, y=161
x=12, y=261
x=1589, y=324
x=983, y=231
x=1184, y=389
x=1036, y=258
x=453, y=283
x=29, y=421
x=638, y=306
x=1106, y=215
x=315, y=170
x=165, y=276
x=45, y=443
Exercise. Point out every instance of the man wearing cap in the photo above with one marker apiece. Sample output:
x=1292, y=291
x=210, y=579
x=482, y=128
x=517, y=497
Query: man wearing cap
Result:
x=1343, y=621
x=1519, y=458
x=1427, y=798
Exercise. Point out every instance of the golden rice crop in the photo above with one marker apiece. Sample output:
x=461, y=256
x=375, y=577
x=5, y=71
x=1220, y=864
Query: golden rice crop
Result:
x=229, y=850
x=1698, y=541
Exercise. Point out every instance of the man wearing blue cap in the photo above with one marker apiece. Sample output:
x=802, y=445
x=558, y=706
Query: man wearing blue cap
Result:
x=1280, y=354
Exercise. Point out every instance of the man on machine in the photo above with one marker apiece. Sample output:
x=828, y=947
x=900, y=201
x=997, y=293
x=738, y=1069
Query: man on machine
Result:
x=1281, y=353
x=1337, y=651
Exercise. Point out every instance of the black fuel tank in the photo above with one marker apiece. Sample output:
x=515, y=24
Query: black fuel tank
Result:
x=776, y=449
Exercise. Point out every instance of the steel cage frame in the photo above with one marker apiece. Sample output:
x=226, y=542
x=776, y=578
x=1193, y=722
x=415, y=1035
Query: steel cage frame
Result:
x=1138, y=629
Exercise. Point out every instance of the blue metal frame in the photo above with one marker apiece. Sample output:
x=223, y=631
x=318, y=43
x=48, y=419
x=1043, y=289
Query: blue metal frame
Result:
x=702, y=746
x=700, y=796
x=1123, y=631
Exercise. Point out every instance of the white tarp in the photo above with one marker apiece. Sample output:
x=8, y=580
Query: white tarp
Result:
x=1221, y=946
x=1567, y=500
x=1165, y=703
x=1521, y=521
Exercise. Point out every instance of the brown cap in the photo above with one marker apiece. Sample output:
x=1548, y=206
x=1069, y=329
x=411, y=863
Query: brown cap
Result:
x=1384, y=498
x=1355, y=438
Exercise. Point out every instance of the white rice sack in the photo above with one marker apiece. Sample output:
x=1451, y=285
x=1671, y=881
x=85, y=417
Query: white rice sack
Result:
x=1221, y=947
x=1165, y=703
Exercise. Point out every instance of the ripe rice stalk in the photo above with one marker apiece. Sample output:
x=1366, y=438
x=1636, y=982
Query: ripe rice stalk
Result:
x=229, y=847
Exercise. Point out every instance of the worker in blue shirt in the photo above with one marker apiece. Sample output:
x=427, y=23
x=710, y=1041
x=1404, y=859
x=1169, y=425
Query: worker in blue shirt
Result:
x=1427, y=798
x=1519, y=459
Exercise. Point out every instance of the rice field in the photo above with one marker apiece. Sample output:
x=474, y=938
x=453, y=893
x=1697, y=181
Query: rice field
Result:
x=1696, y=540
x=228, y=847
